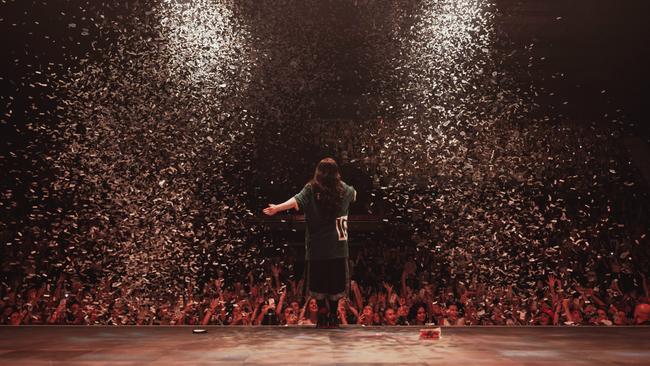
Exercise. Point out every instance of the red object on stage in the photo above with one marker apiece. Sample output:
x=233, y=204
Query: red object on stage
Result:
x=431, y=333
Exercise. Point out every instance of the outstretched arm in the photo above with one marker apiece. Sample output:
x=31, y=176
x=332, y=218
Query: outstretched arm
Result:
x=289, y=204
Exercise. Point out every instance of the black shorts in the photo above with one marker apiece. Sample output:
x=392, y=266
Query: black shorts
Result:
x=327, y=278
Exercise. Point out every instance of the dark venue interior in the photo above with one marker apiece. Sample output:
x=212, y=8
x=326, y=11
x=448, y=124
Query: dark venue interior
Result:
x=498, y=152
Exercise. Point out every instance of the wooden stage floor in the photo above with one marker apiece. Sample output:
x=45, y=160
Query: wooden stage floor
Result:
x=96, y=345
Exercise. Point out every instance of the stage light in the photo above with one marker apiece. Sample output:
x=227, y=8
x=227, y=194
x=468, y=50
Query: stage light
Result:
x=202, y=37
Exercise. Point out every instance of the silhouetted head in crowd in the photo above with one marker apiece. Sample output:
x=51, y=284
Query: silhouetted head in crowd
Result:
x=390, y=317
x=642, y=314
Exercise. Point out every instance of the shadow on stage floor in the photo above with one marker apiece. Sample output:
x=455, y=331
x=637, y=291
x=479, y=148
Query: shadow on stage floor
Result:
x=98, y=345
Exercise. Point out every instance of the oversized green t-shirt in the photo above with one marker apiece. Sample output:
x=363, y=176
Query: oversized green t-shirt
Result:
x=325, y=239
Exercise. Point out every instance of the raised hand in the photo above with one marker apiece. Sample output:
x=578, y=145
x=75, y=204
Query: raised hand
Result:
x=388, y=287
x=615, y=288
x=551, y=282
x=275, y=269
x=402, y=301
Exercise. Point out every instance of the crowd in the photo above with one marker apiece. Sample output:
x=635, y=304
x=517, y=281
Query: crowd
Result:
x=387, y=288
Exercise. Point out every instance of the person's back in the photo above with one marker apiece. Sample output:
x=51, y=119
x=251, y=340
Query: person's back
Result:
x=326, y=236
x=325, y=200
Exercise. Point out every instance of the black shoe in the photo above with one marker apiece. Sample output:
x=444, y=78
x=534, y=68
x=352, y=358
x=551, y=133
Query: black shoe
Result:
x=322, y=321
x=333, y=321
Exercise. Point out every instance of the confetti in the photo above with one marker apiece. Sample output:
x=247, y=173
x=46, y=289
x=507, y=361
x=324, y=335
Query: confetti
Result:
x=156, y=130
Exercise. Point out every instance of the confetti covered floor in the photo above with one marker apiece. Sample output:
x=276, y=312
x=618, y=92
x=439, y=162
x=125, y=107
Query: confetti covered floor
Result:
x=305, y=346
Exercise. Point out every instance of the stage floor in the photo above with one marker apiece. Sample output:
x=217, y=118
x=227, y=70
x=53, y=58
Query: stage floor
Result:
x=307, y=346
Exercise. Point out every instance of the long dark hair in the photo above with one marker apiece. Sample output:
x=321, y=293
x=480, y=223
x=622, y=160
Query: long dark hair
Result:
x=327, y=187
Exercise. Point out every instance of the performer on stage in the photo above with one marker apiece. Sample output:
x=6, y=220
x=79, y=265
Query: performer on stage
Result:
x=325, y=200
